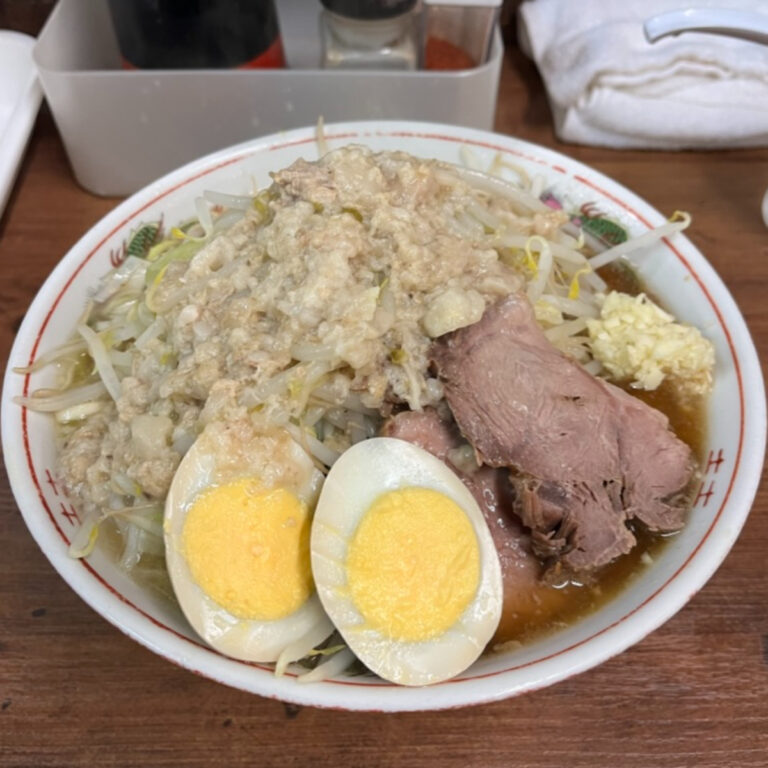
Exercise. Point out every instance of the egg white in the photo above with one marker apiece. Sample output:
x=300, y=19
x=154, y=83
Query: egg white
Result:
x=220, y=454
x=362, y=474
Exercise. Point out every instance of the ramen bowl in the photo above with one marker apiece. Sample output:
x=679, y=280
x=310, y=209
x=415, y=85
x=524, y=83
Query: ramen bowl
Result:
x=673, y=270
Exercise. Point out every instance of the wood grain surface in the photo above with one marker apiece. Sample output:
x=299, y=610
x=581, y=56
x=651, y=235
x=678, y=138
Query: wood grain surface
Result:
x=74, y=691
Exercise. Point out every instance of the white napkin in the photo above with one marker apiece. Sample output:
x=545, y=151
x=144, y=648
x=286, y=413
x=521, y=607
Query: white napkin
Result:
x=608, y=86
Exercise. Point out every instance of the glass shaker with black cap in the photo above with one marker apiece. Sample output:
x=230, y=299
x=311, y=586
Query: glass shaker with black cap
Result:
x=369, y=34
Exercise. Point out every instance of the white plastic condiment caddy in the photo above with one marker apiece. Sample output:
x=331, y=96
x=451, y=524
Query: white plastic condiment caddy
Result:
x=123, y=129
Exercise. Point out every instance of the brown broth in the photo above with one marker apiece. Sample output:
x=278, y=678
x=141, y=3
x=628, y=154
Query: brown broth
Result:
x=526, y=617
x=547, y=609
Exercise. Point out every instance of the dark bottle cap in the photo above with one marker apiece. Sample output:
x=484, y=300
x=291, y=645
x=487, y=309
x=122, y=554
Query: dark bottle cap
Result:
x=369, y=9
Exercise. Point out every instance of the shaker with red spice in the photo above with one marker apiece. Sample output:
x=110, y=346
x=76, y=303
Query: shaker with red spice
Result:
x=458, y=33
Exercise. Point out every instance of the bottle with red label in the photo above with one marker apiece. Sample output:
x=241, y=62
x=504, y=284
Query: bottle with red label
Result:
x=197, y=34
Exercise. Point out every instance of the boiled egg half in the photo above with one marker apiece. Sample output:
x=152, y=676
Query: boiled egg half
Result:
x=404, y=563
x=237, y=526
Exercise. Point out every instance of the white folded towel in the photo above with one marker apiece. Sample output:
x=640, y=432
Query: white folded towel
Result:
x=608, y=86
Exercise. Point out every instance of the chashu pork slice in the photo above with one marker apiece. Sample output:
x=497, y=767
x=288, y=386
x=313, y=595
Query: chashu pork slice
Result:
x=584, y=456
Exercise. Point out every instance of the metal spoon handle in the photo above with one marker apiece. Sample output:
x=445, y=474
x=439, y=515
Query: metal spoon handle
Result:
x=746, y=25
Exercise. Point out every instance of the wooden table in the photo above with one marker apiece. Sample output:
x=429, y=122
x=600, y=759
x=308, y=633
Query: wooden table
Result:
x=75, y=691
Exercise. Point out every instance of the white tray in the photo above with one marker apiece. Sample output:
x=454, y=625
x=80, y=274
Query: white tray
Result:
x=20, y=96
x=124, y=129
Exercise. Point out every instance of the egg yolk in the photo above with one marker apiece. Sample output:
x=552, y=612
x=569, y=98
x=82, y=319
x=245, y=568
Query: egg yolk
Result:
x=248, y=549
x=413, y=565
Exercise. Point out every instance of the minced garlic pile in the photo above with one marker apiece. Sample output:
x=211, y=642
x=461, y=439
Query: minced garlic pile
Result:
x=636, y=340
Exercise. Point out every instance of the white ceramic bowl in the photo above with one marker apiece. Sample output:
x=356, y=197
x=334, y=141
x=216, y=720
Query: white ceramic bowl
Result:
x=676, y=272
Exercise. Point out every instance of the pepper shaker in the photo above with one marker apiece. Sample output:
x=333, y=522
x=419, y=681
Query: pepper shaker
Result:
x=369, y=34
